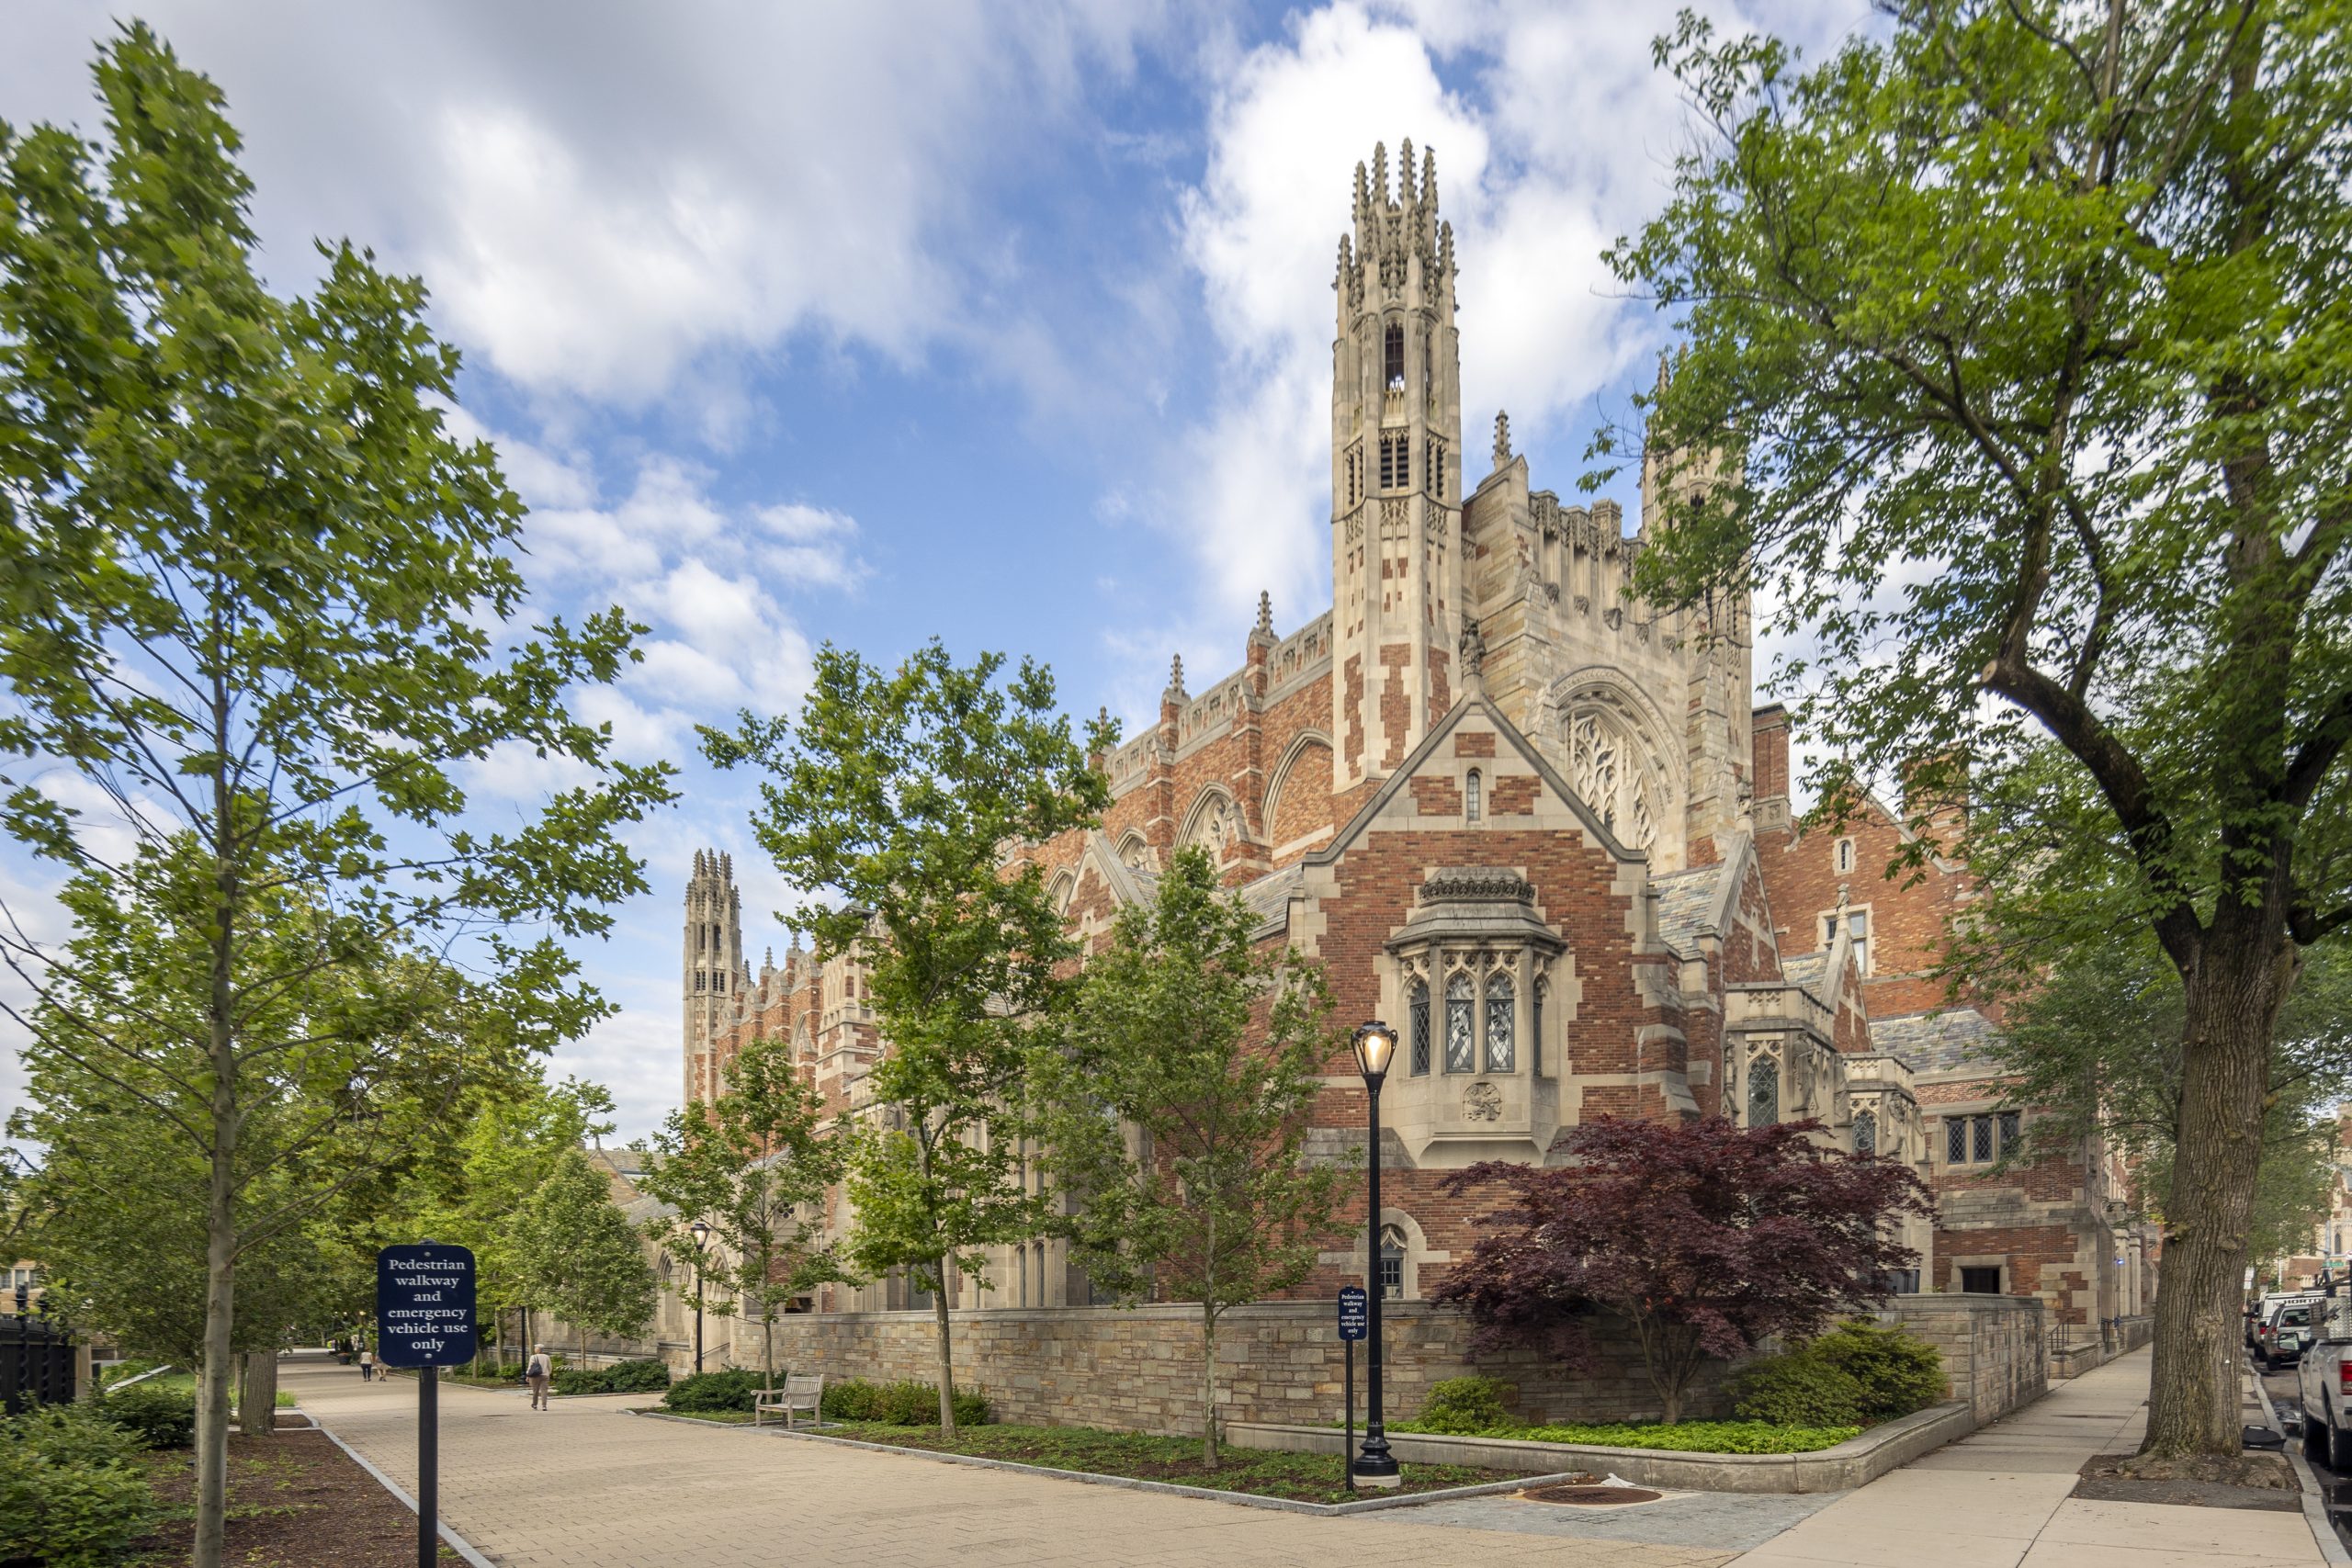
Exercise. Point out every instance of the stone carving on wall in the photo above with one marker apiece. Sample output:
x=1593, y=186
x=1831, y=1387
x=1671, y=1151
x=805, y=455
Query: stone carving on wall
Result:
x=1610, y=774
x=1473, y=646
x=1482, y=1102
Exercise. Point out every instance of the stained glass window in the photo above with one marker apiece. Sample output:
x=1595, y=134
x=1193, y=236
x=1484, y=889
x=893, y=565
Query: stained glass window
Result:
x=1499, y=1023
x=1763, y=1092
x=1865, y=1132
x=1460, y=1046
x=1419, y=1007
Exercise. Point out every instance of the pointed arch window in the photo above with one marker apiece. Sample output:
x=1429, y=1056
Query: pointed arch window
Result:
x=1473, y=802
x=1419, y=1007
x=1535, y=1024
x=1500, y=997
x=1461, y=1045
x=1865, y=1132
x=1763, y=1092
x=1392, y=358
x=1392, y=1262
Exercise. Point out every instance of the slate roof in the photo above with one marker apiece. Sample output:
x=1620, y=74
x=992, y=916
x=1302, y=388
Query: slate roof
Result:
x=1686, y=906
x=1950, y=1041
x=1809, y=972
x=1268, y=897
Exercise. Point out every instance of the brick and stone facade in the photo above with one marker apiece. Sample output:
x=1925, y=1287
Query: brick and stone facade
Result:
x=1507, y=805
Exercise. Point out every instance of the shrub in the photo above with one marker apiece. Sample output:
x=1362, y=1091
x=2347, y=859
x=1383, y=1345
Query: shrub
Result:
x=636, y=1377
x=1898, y=1371
x=900, y=1404
x=160, y=1417
x=69, y=1494
x=1797, y=1388
x=621, y=1377
x=1467, y=1404
x=1861, y=1371
x=713, y=1391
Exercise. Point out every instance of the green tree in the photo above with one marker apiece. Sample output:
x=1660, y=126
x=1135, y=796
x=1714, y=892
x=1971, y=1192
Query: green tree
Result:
x=262, y=614
x=2017, y=335
x=754, y=1165
x=578, y=1258
x=2094, y=1051
x=907, y=792
x=1178, y=1117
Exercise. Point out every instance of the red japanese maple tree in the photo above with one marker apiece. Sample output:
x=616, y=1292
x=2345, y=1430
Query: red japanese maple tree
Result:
x=1707, y=1237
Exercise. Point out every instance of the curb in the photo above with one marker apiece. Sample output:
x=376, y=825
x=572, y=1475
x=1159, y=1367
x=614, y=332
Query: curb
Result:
x=449, y=1536
x=2331, y=1548
x=1131, y=1483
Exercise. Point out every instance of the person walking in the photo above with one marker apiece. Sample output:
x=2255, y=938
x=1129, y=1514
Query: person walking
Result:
x=538, y=1371
x=366, y=1364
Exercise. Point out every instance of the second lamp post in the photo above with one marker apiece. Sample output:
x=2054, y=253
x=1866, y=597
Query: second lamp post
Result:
x=1375, y=1043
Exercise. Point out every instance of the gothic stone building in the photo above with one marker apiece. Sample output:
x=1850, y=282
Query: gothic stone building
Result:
x=1530, y=820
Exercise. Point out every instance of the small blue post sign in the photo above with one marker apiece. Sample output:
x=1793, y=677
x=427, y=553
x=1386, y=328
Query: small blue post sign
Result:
x=1356, y=1314
x=424, y=1305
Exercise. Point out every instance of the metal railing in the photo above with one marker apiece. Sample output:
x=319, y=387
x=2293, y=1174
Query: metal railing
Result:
x=36, y=1363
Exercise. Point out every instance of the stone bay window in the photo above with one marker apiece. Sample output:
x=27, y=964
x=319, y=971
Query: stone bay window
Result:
x=1470, y=972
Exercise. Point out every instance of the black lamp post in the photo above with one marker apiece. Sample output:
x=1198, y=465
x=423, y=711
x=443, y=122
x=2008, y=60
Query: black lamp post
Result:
x=701, y=1229
x=1375, y=1043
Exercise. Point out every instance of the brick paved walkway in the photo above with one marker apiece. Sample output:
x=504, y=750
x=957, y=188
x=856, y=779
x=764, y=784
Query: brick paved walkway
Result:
x=586, y=1487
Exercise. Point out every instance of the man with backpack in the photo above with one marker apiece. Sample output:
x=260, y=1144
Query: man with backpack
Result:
x=537, y=1372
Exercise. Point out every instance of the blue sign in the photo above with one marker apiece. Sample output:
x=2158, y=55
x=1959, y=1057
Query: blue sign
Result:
x=1355, y=1312
x=424, y=1305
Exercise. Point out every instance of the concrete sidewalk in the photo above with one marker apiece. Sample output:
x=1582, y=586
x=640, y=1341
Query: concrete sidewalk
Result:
x=1998, y=1499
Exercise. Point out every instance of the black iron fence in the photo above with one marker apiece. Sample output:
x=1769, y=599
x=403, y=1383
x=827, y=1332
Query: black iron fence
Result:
x=36, y=1363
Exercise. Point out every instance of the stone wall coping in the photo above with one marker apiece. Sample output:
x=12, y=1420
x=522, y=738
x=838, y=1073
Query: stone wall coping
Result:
x=1321, y=1312
x=1131, y=1483
x=1851, y=1464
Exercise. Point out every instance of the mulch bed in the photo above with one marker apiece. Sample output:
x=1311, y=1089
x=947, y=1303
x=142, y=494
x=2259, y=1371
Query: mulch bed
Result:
x=295, y=1501
x=2265, y=1482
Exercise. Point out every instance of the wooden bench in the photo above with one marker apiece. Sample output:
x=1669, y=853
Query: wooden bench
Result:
x=799, y=1392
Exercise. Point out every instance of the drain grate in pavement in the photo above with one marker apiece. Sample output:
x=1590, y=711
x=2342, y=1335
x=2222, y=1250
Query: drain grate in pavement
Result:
x=1591, y=1496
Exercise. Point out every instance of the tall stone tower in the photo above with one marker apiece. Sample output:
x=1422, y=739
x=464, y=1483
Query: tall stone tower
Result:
x=1395, y=473
x=712, y=963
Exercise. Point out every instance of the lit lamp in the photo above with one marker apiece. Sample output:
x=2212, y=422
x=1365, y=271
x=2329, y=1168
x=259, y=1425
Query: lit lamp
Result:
x=701, y=1231
x=1375, y=1046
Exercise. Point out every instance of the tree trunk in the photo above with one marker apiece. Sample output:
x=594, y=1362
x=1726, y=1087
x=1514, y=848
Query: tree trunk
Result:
x=1208, y=1386
x=257, y=1394
x=767, y=1344
x=2232, y=998
x=946, y=1354
x=220, y=1285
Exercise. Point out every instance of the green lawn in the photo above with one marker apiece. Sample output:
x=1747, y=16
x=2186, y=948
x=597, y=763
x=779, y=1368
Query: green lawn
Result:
x=1309, y=1478
x=185, y=1382
x=1685, y=1436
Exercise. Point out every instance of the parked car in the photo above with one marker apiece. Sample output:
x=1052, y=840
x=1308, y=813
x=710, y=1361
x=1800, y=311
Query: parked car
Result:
x=2323, y=1385
x=2280, y=1339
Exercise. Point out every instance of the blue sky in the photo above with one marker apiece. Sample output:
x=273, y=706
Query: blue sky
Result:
x=867, y=323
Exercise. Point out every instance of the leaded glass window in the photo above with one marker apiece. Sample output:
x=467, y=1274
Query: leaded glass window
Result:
x=1460, y=1047
x=1956, y=1140
x=1419, y=1007
x=1763, y=1092
x=1982, y=1129
x=1499, y=1022
x=2009, y=1131
x=1392, y=1262
x=1471, y=802
x=1865, y=1132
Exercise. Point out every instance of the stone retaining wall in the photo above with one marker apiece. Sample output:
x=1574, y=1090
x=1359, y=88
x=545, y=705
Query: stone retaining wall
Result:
x=1139, y=1369
x=1993, y=1347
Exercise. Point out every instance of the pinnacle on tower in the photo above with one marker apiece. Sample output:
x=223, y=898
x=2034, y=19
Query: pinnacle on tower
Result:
x=1502, y=438
x=1404, y=195
x=1380, y=172
x=1176, y=677
x=1265, y=612
x=1429, y=178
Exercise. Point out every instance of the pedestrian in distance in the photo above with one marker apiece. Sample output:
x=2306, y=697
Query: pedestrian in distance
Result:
x=366, y=1364
x=538, y=1371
